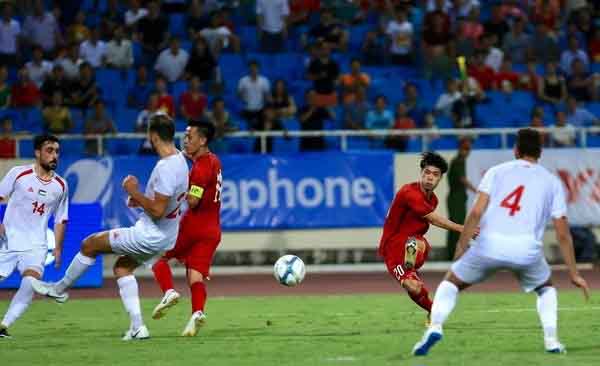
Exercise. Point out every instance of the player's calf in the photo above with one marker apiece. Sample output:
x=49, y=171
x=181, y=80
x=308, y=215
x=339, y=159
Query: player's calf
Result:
x=418, y=293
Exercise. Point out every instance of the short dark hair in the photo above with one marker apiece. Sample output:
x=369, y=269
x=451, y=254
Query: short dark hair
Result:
x=431, y=158
x=206, y=128
x=529, y=143
x=163, y=126
x=40, y=140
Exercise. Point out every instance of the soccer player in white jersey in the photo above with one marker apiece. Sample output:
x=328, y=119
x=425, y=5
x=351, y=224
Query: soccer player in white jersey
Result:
x=515, y=202
x=154, y=233
x=34, y=193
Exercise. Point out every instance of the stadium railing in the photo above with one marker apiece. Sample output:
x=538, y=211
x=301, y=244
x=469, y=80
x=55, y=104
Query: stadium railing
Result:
x=582, y=134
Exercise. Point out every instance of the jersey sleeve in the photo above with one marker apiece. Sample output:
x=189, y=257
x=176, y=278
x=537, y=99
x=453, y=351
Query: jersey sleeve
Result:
x=198, y=180
x=417, y=204
x=559, y=202
x=165, y=181
x=7, y=183
x=61, y=216
x=487, y=183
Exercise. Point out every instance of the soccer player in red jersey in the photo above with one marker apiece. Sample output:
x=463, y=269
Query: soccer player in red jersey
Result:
x=200, y=228
x=403, y=245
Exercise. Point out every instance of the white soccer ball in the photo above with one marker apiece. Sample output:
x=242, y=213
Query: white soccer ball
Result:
x=289, y=270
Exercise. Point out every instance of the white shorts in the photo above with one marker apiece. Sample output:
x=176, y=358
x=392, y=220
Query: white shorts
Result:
x=473, y=268
x=140, y=243
x=34, y=259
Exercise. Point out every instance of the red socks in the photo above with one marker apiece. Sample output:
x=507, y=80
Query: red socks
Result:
x=198, y=296
x=163, y=275
x=422, y=299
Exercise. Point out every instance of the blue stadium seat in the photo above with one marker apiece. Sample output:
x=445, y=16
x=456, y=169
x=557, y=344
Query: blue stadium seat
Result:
x=177, y=89
x=177, y=25
x=233, y=67
x=248, y=38
x=444, y=143
x=122, y=146
x=126, y=119
x=415, y=145
x=357, y=36
x=593, y=141
x=487, y=142
x=290, y=145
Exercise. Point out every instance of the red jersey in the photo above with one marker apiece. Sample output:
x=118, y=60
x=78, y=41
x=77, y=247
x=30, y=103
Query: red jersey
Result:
x=405, y=216
x=203, y=222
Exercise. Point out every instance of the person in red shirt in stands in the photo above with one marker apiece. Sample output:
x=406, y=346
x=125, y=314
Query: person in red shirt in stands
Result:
x=506, y=74
x=25, y=93
x=479, y=71
x=165, y=101
x=193, y=101
x=8, y=145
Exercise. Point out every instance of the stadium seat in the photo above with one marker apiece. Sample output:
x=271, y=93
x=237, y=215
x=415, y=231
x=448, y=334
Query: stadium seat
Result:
x=177, y=25
x=487, y=142
x=126, y=119
x=444, y=143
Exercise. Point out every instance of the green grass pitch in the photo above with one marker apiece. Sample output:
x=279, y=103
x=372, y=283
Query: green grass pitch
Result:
x=485, y=329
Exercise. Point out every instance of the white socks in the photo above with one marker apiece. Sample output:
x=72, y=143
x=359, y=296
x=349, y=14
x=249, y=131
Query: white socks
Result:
x=547, y=307
x=20, y=302
x=443, y=303
x=76, y=269
x=128, y=288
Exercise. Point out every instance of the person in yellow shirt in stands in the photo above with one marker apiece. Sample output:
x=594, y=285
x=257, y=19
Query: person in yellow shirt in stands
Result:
x=57, y=118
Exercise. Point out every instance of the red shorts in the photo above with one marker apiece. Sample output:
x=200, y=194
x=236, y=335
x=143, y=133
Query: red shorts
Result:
x=194, y=254
x=395, y=260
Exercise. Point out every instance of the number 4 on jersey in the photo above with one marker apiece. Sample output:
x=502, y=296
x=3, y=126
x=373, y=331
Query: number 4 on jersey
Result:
x=512, y=200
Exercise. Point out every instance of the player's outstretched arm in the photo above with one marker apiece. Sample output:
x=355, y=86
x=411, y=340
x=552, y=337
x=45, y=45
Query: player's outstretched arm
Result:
x=565, y=240
x=442, y=222
x=471, y=227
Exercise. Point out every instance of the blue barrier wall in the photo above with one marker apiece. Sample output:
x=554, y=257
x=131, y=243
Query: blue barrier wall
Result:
x=319, y=190
x=84, y=219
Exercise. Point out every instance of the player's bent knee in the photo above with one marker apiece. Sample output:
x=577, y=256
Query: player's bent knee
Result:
x=194, y=276
x=31, y=273
x=124, y=266
x=412, y=286
x=460, y=284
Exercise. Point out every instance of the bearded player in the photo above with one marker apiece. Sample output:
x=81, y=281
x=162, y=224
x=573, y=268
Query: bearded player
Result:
x=403, y=245
x=200, y=230
x=34, y=193
x=516, y=201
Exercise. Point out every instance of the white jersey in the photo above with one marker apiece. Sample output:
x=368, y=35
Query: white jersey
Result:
x=523, y=198
x=169, y=178
x=31, y=203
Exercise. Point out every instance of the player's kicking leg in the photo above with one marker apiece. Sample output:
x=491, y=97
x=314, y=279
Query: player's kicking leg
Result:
x=164, y=278
x=91, y=247
x=198, y=290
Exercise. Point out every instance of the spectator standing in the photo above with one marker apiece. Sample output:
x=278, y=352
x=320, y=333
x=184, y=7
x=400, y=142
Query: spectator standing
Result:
x=218, y=36
x=581, y=84
x=497, y=25
x=153, y=33
x=193, y=101
x=171, y=62
x=138, y=94
x=445, y=102
x=221, y=119
x=267, y=121
x=202, y=63
x=272, y=18
x=578, y=116
x=312, y=118
x=402, y=122
x=324, y=73
x=38, y=68
x=119, y=52
x=56, y=117
x=84, y=92
x=516, y=44
x=255, y=92
x=93, y=50
x=8, y=145
x=573, y=53
x=380, y=118
x=78, y=31
x=25, y=94
x=42, y=29
x=400, y=31
x=134, y=14
x=98, y=123
x=10, y=31
x=330, y=31
x=70, y=62
x=166, y=104
x=56, y=82
x=354, y=112
x=552, y=87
